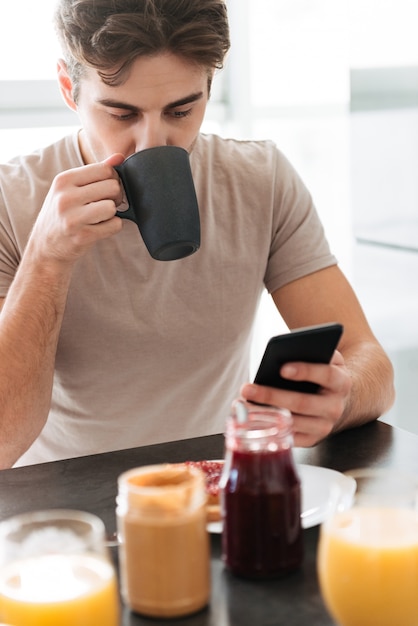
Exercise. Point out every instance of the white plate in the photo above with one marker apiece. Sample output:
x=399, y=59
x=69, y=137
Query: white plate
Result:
x=323, y=490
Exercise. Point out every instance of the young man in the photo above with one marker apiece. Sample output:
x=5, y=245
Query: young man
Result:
x=102, y=347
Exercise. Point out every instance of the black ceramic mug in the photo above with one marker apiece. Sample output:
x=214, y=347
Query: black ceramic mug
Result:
x=162, y=201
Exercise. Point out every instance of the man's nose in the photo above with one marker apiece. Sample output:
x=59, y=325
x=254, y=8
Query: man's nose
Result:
x=150, y=135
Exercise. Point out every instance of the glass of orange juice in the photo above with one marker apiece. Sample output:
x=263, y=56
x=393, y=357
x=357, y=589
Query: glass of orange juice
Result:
x=368, y=554
x=54, y=569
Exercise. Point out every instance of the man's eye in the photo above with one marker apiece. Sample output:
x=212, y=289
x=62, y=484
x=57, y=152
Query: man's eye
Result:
x=123, y=117
x=180, y=114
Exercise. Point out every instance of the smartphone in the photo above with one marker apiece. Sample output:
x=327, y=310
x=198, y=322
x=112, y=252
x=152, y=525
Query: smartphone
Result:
x=312, y=344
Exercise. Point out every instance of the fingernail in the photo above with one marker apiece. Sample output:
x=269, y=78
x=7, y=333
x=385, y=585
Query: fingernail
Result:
x=288, y=371
x=250, y=391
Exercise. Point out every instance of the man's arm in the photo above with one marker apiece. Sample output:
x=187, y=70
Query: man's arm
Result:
x=78, y=211
x=357, y=386
x=29, y=327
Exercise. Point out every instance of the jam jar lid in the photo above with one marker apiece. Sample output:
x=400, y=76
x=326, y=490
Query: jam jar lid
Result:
x=258, y=425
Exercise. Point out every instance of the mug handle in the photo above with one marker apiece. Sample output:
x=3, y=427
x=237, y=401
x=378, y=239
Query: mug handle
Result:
x=128, y=214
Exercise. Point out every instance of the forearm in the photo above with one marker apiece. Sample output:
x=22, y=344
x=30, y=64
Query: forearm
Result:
x=372, y=392
x=30, y=322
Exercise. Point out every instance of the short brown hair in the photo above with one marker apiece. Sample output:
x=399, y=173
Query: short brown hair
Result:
x=109, y=35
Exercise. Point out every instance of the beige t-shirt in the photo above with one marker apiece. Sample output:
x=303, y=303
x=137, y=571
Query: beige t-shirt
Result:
x=152, y=351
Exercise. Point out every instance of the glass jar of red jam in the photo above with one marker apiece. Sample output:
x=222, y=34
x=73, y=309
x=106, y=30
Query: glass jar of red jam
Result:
x=260, y=493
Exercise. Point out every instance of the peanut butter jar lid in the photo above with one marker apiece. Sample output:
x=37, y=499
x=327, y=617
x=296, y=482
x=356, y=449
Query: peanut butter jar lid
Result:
x=164, y=490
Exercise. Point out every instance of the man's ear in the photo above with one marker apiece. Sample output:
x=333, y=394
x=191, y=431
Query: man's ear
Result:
x=65, y=84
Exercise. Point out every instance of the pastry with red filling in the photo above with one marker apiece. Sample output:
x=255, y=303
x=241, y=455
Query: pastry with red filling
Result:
x=212, y=471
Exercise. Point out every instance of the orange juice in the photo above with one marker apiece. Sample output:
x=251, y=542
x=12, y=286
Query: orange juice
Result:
x=62, y=590
x=368, y=567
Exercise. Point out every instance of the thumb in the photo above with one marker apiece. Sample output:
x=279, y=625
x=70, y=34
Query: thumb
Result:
x=115, y=159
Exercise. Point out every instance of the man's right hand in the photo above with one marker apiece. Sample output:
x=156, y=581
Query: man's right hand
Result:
x=78, y=211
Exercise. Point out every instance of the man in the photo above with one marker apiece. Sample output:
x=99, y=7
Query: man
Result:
x=102, y=347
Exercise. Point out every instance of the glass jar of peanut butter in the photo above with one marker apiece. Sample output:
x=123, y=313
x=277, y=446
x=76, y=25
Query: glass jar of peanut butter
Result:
x=164, y=544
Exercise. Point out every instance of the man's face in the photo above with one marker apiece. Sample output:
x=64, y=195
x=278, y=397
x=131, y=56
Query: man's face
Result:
x=162, y=102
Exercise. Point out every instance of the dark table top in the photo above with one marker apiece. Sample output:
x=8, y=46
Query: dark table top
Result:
x=90, y=484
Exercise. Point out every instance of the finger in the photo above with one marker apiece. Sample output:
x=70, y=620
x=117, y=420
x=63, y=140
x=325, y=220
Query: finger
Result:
x=100, y=211
x=104, y=229
x=90, y=234
x=327, y=376
x=337, y=358
x=304, y=440
x=325, y=405
x=115, y=159
x=296, y=402
x=108, y=189
x=313, y=426
x=93, y=172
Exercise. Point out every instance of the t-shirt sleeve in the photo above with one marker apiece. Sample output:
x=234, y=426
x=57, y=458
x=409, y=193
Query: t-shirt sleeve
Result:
x=299, y=246
x=24, y=183
x=9, y=253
